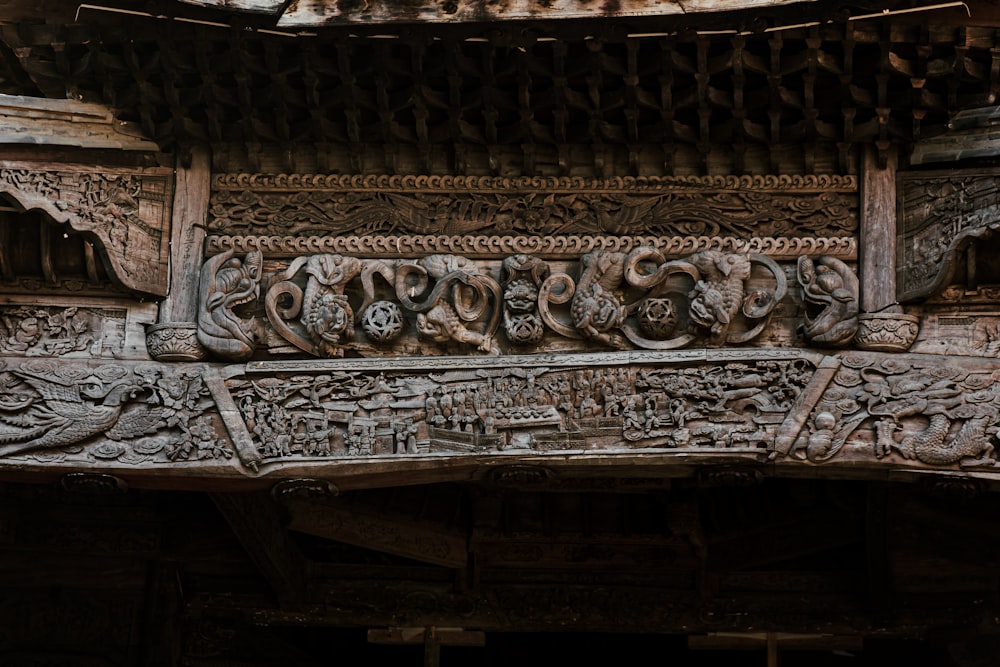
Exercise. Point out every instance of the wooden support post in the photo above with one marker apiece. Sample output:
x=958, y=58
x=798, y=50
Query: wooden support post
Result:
x=187, y=236
x=256, y=524
x=432, y=638
x=878, y=233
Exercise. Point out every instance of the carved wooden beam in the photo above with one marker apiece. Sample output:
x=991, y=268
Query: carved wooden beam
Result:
x=941, y=213
x=126, y=210
x=375, y=422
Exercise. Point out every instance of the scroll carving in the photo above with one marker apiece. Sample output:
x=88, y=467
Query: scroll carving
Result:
x=330, y=304
x=52, y=411
x=128, y=211
x=303, y=204
x=543, y=247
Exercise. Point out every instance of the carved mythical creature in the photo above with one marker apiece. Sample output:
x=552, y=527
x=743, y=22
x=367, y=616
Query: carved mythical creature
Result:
x=932, y=444
x=461, y=293
x=595, y=309
x=227, y=283
x=326, y=313
x=522, y=275
x=832, y=286
x=65, y=413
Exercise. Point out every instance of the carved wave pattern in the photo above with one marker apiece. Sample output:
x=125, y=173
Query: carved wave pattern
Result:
x=302, y=204
x=844, y=248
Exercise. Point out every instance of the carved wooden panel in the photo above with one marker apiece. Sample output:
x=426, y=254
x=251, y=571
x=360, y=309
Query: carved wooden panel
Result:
x=314, y=204
x=126, y=209
x=939, y=212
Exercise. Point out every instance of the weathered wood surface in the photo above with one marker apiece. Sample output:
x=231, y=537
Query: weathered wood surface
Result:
x=737, y=413
x=300, y=14
x=878, y=232
x=33, y=120
x=126, y=209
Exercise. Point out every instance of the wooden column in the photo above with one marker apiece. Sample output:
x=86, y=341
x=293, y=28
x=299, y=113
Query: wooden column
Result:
x=187, y=236
x=878, y=232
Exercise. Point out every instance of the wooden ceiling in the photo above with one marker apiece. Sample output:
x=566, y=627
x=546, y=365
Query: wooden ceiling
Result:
x=642, y=97
x=168, y=578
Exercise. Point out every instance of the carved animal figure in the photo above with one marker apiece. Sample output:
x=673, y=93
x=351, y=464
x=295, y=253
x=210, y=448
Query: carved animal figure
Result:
x=830, y=284
x=595, y=310
x=717, y=297
x=66, y=414
x=461, y=294
x=227, y=283
x=931, y=445
x=326, y=313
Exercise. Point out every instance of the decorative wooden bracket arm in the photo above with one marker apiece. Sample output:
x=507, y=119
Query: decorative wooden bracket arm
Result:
x=126, y=210
x=940, y=213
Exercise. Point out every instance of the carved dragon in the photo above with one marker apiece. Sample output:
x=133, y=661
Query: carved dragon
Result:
x=832, y=286
x=227, y=282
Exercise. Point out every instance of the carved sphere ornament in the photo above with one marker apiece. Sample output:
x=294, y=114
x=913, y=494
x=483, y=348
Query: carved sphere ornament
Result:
x=657, y=317
x=382, y=321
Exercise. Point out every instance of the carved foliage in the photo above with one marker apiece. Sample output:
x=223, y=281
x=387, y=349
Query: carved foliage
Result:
x=354, y=413
x=60, y=331
x=127, y=210
x=130, y=414
x=315, y=204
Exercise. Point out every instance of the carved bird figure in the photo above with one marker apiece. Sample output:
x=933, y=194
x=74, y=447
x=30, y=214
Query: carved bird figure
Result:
x=66, y=413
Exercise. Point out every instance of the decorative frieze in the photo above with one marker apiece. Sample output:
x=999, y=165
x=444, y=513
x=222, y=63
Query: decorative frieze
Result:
x=105, y=413
x=331, y=205
x=331, y=305
x=546, y=247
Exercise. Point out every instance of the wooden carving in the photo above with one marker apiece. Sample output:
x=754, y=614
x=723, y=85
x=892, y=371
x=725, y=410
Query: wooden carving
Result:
x=940, y=212
x=906, y=408
x=228, y=283
x=132, y=414
x=307, y=205
x=330, y=304
x=126, y=210
x=830, y=291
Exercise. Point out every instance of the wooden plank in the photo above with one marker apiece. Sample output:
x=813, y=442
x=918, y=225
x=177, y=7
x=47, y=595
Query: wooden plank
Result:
x=187, y=236
x=878, y=233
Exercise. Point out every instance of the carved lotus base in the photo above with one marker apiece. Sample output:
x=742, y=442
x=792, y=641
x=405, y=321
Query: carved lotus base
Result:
x=887, y=332
x=174, y=341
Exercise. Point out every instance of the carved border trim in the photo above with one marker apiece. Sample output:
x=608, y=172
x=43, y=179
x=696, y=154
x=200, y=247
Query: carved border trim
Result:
x=547, y=247
x=547, y=360
x=380, y=182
